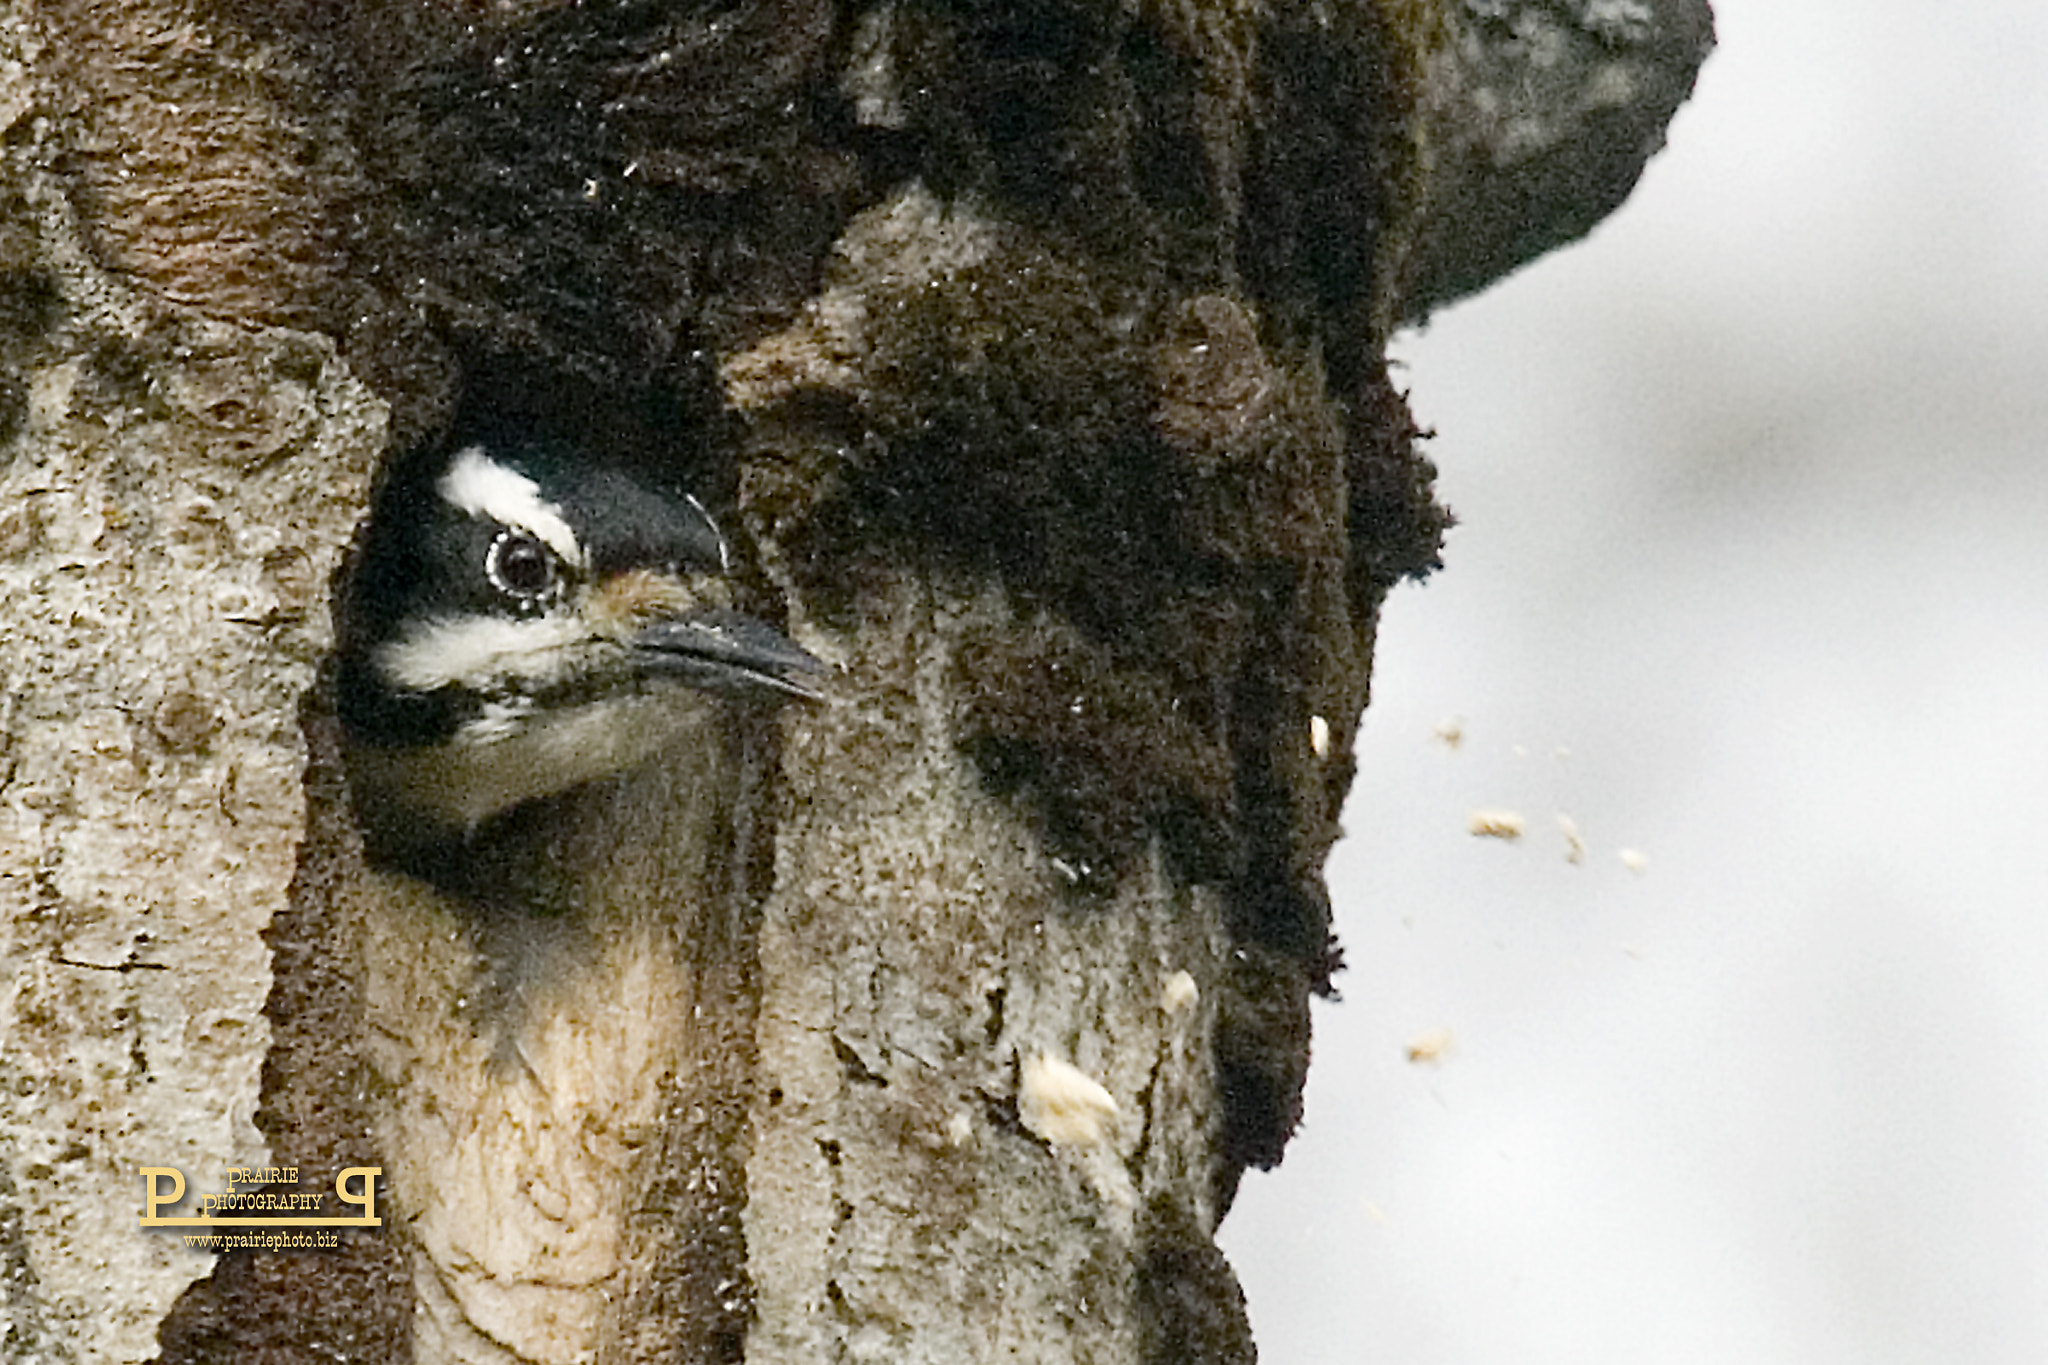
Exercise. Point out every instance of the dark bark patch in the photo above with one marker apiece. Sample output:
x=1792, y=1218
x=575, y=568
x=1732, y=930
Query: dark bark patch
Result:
x=1191, y=1310
x=354, y=1302
x=1262, y=1054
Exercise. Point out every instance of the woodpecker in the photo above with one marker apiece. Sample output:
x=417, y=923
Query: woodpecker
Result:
x=521, y=623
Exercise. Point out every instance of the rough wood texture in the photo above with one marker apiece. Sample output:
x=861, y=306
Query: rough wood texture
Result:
x=175, y=490
x=1031, y=351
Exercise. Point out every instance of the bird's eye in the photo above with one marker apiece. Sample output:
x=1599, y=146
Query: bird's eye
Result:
x=520, y=566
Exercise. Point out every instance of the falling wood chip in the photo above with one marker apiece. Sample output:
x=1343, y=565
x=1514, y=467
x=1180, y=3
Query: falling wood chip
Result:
x=1574, y=842
x=1495, y=824
x=1429, y=1047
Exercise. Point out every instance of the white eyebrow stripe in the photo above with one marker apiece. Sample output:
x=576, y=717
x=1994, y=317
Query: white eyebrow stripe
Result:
x=481, y=652
x=477, y=484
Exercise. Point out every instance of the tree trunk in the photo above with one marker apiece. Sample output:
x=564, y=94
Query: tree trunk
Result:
x=1032, y=354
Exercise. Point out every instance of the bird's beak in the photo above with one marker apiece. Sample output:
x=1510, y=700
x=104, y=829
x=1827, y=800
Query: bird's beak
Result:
x=728, y=651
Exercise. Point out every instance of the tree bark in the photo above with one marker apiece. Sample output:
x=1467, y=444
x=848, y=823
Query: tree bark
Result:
x=1033, y=355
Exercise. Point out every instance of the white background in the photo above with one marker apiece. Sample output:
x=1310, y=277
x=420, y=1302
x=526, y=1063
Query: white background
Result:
x=1753, y=490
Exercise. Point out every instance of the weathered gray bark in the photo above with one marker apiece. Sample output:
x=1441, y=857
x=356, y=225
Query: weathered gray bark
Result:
x=175, y=491
x=1033, y=355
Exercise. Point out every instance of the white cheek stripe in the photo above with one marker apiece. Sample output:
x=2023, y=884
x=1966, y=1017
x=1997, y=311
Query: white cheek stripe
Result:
x=482, y=652
x=480, y=486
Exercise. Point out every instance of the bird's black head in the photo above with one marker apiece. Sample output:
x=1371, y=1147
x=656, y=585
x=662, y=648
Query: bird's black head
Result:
x=519, y=623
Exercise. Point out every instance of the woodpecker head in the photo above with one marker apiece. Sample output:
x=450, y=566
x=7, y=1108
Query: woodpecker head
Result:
x=520, y=624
